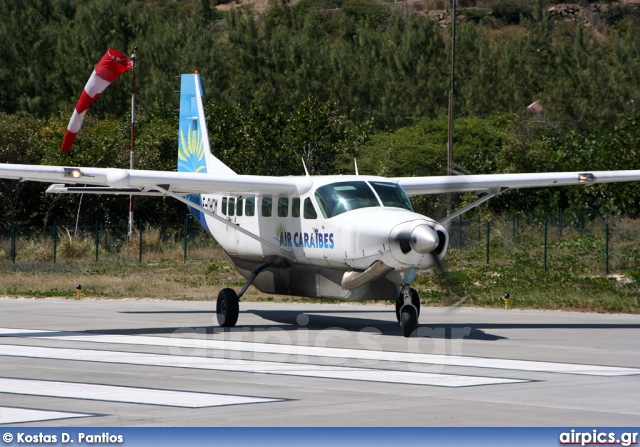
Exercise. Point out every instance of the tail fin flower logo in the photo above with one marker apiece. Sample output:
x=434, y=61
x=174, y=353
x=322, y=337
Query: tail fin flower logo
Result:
x=191, y=153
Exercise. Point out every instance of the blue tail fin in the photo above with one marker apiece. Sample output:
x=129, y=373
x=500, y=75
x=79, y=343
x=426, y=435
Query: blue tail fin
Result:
x=194, y=151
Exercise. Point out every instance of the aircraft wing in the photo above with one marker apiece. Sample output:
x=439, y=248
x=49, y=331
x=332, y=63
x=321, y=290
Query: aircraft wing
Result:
x=496, y=183
x=140, y=182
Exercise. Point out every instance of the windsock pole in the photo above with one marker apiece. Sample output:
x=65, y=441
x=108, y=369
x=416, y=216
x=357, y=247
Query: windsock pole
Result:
x=133, y=132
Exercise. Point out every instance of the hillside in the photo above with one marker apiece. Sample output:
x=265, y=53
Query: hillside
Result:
x=493, y=13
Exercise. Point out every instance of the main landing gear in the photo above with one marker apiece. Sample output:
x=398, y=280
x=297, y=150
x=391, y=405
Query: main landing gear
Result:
x=228, y=304
x=408, y=310
x=227, y=308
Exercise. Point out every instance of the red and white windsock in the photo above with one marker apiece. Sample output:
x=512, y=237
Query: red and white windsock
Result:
x=112, y=65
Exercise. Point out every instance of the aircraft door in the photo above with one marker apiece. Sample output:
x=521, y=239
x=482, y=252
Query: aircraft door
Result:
x=314, y=238
x=328, y=241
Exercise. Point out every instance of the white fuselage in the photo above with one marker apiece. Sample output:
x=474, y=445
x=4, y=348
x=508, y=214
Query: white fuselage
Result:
x=322, y=234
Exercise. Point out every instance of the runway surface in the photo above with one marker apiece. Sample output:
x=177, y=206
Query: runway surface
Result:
x=160, y=363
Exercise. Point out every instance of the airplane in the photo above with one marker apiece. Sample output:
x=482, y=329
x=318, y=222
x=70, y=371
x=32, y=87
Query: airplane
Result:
x=347, y=237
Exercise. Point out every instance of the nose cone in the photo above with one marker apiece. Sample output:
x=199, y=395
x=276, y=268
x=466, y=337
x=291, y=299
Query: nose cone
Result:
x=424, y=239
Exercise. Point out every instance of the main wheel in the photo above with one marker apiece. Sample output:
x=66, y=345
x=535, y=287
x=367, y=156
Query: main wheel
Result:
x=408, y=320
x=227, y=308
x=415, y=300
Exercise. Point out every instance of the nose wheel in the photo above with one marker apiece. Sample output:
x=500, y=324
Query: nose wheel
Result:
x=408, y=310
x=415, y=300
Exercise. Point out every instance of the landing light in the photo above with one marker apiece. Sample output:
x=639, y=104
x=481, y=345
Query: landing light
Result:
x=587, y=177
x=72, y=172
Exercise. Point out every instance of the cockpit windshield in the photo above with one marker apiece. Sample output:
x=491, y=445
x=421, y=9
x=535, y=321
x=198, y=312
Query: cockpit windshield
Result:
x=392, y=195
x=338, y=198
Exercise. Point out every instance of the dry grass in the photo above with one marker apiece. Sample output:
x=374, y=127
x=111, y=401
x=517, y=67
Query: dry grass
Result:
x=155, y=279
x=74, y=247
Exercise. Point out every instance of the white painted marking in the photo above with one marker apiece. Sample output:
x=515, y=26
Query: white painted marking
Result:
x=250, y=366
x=10, y=415
x=111, y=393
x=313, y=351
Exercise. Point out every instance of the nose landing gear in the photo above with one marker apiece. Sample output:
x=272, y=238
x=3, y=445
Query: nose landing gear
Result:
x=408, y=310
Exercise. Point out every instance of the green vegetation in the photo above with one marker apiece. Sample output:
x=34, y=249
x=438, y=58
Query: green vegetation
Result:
x=325, y=81
x=373, y=60
x=574, y=280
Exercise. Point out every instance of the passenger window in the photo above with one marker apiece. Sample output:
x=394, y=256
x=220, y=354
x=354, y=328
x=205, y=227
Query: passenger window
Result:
x=295, y=207
x=283, y=206
x=232, y=206
x=309, y=210
x=267, y=205
x=250, y=207
x=224, y=206
x=239, y=210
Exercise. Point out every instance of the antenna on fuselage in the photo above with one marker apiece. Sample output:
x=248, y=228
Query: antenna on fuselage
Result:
x=305, y=168
x=355, y=164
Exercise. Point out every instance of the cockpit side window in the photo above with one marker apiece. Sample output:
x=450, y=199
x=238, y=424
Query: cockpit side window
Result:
x=309, y=210
x=392, y=195
x=338, y=198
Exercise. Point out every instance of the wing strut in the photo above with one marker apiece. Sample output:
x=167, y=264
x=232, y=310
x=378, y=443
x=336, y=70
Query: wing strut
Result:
x=286, y=253
x=490, y=195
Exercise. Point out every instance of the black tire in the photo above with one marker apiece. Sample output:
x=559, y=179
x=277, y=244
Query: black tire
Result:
x=415, y=300
x=227, y=308
x=408, y=320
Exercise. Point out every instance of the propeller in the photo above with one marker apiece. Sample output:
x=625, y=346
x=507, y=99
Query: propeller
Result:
x=416, y=241
x=450, y=284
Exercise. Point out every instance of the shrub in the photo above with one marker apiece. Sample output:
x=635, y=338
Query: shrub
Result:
x=73, y=246
x=511, y=11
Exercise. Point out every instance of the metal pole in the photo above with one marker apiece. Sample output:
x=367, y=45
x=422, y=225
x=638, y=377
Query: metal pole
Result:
x=606, y=248
x=97, y=239
x=451, y=114
x=55, y=241
x=140, y=254
x=185, y=239
x=488, y=231
x=545, y=245
x=133, y=128
x=453, y=73
x=460, y=232
x=13, y=244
